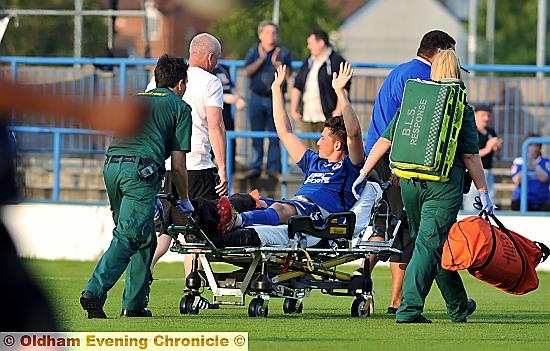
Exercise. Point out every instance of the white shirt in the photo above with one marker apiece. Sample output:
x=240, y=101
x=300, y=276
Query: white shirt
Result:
x=203, y=89
x=313, y=110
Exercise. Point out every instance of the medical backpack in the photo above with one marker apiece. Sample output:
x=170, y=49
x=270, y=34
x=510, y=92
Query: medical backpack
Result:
x=426, y=130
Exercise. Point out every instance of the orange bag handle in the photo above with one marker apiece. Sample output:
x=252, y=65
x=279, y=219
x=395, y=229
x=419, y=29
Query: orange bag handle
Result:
x=543, y=248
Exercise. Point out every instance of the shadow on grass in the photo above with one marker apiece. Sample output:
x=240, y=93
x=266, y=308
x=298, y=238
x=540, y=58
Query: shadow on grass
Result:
x=528, y=317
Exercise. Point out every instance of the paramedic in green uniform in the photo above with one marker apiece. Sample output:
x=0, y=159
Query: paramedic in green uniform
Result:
x=132, y=172
x=432, y=208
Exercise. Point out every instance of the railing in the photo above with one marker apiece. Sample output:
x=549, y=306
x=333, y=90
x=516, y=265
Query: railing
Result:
x=57, y=147
x=525, y=169
x=521, y=104
x=58, y=150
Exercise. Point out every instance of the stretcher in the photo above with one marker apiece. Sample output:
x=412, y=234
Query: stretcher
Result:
x=291, y=268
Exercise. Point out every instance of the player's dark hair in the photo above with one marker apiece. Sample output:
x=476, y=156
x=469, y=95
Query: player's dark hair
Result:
x=338, y=129
x=169, y=71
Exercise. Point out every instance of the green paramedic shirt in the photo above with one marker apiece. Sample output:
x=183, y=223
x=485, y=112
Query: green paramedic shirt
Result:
x=467, y=138
x=167, y=128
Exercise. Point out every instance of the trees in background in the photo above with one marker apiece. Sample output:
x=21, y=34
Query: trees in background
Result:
x=53, y=35
x=515, y=32
x=238, y=29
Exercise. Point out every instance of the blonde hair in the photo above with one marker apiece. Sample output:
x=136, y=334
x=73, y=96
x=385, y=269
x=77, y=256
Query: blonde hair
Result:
x=445, y=65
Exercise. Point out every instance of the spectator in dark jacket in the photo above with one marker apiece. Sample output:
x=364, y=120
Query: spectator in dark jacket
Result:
x=313, y=100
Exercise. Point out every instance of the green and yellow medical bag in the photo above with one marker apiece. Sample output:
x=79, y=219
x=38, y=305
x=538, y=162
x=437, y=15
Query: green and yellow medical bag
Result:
x=426, y=130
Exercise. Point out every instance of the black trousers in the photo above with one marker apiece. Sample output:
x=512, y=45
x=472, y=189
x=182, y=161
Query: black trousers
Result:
x=207, y=217
x=202, y=183
x=392, y=195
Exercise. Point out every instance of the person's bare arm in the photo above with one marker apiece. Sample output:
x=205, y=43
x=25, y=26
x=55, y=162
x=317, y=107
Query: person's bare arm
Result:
x=340, y=105
x=378, y=150
x=216, y=133
x=540, y=173
x=353, y=128
x=179, y=173
x=295, y=147
x=516, y=178
x=122, y=118
x=295, y=96
x=234, y=99
x=475, y=167
x=542, y=176
x=492, y=145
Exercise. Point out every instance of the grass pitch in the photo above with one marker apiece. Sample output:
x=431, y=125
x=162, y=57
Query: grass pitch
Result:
x=501, y=322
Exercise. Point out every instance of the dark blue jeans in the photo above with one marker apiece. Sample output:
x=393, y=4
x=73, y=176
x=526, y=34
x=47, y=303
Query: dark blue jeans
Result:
x=261, y=119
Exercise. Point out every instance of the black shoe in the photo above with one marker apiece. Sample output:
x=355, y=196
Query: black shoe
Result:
x=471, y=306
x=392, y=310
x=418, y=319
x=136, y=313
x=91, y=304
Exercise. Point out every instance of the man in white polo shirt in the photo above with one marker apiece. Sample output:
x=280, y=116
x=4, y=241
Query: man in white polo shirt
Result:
x=204, y=94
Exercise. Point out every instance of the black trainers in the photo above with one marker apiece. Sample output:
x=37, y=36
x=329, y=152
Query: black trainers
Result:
x=136, y=313
x=418, y=319
x=392, y=310
x=91, y=304
x=471, y=306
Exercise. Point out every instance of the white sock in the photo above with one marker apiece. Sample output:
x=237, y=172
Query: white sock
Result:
x=238, y=221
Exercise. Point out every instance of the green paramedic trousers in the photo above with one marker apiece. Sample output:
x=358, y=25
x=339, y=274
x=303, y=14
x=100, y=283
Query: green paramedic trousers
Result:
x=432, y=208
x=132, y=204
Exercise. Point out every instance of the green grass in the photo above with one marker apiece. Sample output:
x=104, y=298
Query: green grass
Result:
x=501, y=322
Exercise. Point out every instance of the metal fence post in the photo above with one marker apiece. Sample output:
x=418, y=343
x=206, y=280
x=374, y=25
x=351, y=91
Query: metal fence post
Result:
x=57, y=140
x=122, y=81
x=229, y=156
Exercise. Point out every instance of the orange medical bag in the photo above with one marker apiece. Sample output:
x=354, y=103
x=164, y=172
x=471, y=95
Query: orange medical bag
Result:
x=494, y=254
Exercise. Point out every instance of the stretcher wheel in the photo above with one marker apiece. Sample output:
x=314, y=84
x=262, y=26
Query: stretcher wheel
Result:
x=186, y=305
x=289, y=306
x=361, y=307
x=256, y=308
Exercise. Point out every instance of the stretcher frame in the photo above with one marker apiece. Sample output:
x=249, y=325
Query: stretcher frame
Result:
x=286, y=272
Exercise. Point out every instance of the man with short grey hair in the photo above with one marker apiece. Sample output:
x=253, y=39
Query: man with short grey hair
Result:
x=204, y=94
x=261, y=62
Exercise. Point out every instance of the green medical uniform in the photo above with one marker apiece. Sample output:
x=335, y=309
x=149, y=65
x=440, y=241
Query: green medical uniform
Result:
x=132, y=199
x=432, y=208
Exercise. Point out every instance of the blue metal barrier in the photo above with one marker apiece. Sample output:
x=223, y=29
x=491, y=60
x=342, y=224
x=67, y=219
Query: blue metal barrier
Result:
x=58, y=150
x=57, y=147
x=520, y=104
x=524, y=169
x=230, y=153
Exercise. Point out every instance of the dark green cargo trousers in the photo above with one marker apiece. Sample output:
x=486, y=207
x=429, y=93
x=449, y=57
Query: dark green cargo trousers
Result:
x=432, y=208
x=132, y=202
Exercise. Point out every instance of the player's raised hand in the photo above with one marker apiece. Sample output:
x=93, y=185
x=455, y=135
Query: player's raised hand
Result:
x=340, y=79
x=279, y=78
